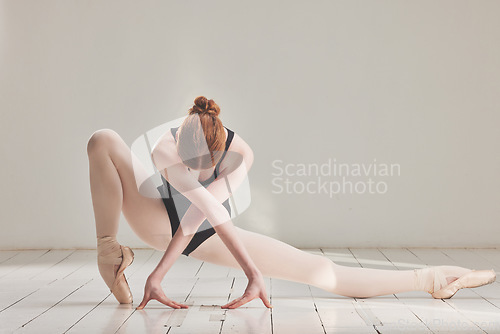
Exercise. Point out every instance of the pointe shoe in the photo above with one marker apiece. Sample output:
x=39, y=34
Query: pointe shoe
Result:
x=110, y=253
x=473, y=279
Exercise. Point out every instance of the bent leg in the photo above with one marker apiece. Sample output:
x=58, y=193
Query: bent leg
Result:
x=113, y=171
x=277, y=259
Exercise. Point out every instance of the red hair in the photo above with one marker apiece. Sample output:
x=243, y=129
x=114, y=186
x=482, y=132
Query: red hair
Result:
x=202, y=128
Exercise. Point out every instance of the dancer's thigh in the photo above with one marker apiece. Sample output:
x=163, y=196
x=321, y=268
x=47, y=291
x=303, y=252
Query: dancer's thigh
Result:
x=272, y=257
x=145, y=214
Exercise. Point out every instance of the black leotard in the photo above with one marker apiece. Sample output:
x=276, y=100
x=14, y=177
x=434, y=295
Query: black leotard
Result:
x=177, y=210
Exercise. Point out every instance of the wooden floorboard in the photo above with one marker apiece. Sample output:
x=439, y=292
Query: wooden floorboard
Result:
x=61, y=291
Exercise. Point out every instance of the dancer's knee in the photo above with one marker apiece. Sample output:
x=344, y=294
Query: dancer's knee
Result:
x=324, y=276
x=158, y=242
x=342, y=286
x=101, y=139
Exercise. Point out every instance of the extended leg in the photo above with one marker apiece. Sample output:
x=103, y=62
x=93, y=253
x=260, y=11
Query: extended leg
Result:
x=277, y=259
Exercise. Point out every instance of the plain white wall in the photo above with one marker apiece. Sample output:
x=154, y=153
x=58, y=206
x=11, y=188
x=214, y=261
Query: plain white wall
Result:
x=414, y=83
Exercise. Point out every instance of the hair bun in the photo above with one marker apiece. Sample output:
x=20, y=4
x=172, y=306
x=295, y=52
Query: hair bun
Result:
x=204, y=106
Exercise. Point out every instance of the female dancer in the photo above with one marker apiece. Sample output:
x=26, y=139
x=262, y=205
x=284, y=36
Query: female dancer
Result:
x=200, y=177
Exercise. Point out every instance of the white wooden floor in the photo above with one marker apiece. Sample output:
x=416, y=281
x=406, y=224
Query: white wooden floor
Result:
x=60, y=291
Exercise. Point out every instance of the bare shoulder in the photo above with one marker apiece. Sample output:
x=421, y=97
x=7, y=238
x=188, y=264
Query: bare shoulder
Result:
x=239, y=147
x=164, y=152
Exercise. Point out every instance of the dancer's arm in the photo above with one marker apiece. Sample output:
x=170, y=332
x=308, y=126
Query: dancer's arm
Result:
x=226, y=183
x=206, y=203
x=227, y=233
x=238, y=163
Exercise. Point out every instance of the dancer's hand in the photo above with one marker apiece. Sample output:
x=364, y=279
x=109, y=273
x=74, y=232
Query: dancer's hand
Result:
x=255, y=289
x=153, y=290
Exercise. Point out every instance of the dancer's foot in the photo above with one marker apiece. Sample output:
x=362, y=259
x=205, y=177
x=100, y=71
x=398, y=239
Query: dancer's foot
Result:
x=432, y=279
x=112, y=259
x=473, y=279
x=445, y=281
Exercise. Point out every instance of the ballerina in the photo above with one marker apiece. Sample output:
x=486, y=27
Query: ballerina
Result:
x=201, y=180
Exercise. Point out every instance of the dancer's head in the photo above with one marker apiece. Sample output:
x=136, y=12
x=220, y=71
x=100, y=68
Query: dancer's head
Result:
x=201, y=137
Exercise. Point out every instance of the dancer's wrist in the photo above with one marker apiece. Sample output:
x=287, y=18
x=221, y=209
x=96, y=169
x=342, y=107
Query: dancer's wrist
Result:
x=254, y=273
x=156, y=277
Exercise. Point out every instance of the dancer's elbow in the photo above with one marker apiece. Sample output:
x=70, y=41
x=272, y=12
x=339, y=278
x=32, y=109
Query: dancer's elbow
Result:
x=218, y=215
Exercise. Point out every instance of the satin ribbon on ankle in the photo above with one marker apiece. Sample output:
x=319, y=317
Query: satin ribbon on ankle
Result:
x=108, y=251
x=423, y=274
